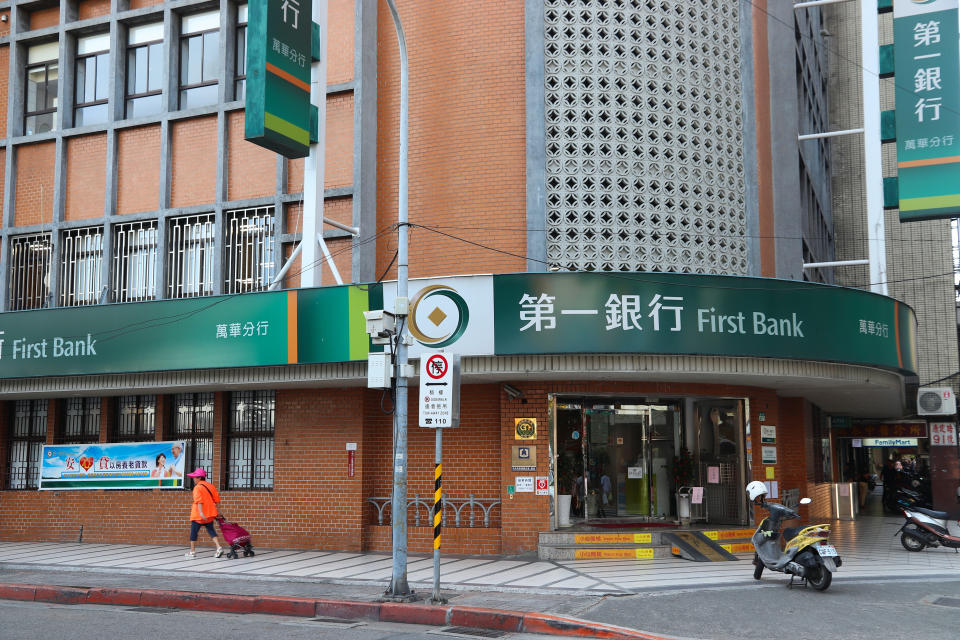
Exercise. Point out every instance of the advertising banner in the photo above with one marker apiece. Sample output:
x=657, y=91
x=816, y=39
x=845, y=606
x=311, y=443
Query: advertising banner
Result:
x=707, y=315
x=128, y=465
x=927, y=78
x=253, y=329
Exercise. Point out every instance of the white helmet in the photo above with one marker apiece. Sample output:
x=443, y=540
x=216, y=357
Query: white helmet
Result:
x=756, y=489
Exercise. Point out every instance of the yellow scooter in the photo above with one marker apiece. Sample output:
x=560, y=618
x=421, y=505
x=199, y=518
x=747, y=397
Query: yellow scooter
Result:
x=806, y=554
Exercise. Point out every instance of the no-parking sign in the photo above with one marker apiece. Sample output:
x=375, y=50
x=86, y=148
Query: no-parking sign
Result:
x=439, y=389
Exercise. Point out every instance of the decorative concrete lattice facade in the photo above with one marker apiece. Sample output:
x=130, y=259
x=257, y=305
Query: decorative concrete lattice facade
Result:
x=644, y=142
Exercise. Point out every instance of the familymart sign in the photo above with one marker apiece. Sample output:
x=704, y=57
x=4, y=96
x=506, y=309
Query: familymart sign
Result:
x=927, y=78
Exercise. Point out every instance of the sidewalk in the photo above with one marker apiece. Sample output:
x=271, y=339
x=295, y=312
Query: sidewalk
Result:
x=352, y=582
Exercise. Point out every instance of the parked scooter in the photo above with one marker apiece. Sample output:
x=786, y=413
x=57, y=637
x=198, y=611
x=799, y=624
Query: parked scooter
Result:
x=926, y=528
x=806, y=554
x=901, y=498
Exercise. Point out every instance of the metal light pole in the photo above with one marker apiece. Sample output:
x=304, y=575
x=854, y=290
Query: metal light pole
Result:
x=399, y=588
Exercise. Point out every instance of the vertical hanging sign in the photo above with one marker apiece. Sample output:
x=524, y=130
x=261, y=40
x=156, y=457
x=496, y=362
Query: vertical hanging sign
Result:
x=279, y=39
x=927, y=78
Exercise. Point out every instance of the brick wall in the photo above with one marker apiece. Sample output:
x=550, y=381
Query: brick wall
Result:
x=86, y=173
x=295, y=175
x=340, y=28
x=42, y=18
x=252, y=169
x=339, y=146
x=93, y=8
x=193, y=162
x=138, y=169
x=467, y=135
x=140, y=4
x=34, y=195
x=3, y=168
x=4, y=77
x=316, y=505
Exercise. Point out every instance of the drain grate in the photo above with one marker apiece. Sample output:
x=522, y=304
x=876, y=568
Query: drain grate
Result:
x=152, y=609
x=947, y=602
x=335, y=620
x=473, y=632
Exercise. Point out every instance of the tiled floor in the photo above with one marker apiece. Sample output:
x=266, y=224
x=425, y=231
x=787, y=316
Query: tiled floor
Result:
x=868, y=547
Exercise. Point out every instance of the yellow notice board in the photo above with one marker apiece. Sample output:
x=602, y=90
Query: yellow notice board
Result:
x=613, y=538
x=614, y=554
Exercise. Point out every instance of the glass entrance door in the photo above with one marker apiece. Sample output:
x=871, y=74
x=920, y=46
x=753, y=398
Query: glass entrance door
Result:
x=627, y=451
x=718, y=451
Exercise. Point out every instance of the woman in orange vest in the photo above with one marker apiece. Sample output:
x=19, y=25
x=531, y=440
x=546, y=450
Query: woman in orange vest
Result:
x=204, y=510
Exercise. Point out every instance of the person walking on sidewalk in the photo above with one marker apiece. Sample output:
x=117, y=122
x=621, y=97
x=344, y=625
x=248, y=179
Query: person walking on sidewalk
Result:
x=204, y=510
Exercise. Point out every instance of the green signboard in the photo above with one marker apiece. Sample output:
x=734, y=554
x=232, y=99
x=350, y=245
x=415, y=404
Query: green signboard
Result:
x=254, y=329
x=927, y=77
x=693, y=314
x=279, y=38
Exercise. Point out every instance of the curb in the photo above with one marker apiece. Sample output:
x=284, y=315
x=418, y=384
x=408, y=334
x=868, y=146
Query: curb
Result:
x=411, y=613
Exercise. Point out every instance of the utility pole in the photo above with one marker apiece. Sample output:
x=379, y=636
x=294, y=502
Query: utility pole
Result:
x=399, y=588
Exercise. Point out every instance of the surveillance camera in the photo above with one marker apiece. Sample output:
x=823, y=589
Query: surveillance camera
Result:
x=512, y=391
x=4, y=18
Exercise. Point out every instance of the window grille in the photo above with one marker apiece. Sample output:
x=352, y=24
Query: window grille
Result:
x=199, y=59
x=145, y=65
x=191, y=243
x=250, y=440
x=136, y=419
x=81, y=276
x=92, y=80
x=249, y=249
x=193, y=422
x=240, y=79
x=27, y=437
x=30, y=271
x=134, y=261
x=80, y=422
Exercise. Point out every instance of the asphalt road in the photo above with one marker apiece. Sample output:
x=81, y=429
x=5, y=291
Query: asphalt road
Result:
x=32, y=620
x=854, y=610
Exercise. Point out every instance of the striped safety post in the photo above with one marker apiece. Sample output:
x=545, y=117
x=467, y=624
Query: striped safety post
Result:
x=437, y=504
x=437, y=515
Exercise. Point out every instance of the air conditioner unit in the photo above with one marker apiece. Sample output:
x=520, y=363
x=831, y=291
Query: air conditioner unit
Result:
x=936, y=401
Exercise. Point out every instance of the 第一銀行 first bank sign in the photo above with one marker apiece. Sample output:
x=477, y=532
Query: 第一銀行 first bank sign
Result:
x=508, y=314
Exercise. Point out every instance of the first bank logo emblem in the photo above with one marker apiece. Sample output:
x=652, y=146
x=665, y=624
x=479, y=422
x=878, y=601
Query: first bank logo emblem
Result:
x=438, y=316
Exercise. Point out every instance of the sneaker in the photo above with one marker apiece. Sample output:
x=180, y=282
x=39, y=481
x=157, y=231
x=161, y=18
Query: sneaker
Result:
x=218, y=552
x=190, y=555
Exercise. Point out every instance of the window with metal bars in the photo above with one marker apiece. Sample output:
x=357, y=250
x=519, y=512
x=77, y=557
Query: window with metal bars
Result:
x=136, y=419
x=29, y=272
x=249, y=252
x=191, y=249
x=79, y=421
x=27, y=437
x=81, y=258
x=133, y=271
x=193, y=422
x=250, y=440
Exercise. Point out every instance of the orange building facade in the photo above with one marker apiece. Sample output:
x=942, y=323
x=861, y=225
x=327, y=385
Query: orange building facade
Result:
x=535, y=149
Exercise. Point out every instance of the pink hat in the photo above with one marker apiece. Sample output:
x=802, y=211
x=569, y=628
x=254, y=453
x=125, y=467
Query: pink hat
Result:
x=199, y=473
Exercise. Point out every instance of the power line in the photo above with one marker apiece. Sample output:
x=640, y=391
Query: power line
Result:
x=801, y=285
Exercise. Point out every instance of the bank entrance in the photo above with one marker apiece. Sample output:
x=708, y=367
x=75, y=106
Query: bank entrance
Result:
x=627, y=461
